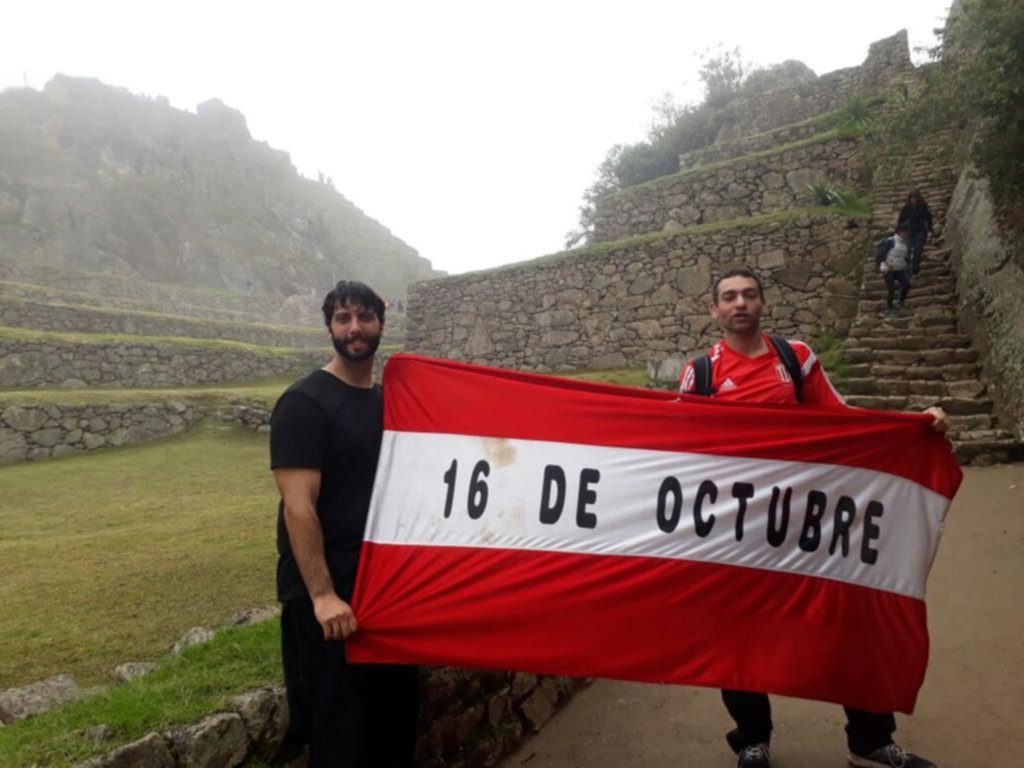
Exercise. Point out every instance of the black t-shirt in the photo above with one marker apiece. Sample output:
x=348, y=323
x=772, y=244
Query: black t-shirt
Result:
x=322, y=423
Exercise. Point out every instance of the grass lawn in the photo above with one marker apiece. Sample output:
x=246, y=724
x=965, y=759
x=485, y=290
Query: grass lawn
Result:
x=181, y=691
x=109, y=557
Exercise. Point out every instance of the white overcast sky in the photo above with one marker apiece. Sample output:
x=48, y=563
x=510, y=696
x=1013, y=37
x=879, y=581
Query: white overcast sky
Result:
x=470, y=129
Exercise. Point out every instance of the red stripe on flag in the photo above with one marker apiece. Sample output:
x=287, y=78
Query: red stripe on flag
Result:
x=640, y=618
x=428, y=395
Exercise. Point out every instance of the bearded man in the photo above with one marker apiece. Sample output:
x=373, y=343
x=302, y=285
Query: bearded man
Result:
x=325, y=437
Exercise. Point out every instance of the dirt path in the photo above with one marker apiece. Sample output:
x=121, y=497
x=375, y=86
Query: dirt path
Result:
x=970, y=712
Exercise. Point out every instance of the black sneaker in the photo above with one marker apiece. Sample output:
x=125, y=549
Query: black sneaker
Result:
x=754, y=756
x=890, y=756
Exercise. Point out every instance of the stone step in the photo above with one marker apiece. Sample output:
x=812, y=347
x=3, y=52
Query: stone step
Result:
x=922, y=321
x=955, y=372
x=965, y=435
x=937, y=288
x=867, y=331
x=913, y=303
x=908, y=357
x=972, y=422
x=952, y=405
x=908, y=341
x=969, y=388
x=934, y=277
x=986, y=452
x=874, y=287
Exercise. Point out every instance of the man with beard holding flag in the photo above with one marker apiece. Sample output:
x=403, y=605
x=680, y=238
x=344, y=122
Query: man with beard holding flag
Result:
x=324, y=442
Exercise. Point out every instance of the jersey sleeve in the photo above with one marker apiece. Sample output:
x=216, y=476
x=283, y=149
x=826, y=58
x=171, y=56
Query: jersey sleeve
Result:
x=298, y=433
x=817, y=389
x=687, y=381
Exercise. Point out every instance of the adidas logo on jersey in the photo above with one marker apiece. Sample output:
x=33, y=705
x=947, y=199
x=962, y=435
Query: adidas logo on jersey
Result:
x=727, y=385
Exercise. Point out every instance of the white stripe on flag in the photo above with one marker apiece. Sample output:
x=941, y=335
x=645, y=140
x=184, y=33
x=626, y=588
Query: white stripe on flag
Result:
x=622, y=518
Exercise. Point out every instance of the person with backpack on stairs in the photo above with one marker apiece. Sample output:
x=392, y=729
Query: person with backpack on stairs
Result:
x=893, y=257
x=918, y=217
x=750, y=366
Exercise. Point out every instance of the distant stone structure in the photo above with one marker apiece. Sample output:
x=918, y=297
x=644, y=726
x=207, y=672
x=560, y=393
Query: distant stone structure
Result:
x=640, y=294
x=765, y=184
x=759, y=112
x=96, y=179
x=624, y=303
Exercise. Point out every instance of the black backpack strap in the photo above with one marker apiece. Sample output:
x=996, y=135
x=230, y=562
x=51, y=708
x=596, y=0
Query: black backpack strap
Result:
x=702, y=376
x=788, y=357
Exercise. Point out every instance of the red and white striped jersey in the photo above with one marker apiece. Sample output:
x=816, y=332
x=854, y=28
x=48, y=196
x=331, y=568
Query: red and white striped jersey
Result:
x=763, y=378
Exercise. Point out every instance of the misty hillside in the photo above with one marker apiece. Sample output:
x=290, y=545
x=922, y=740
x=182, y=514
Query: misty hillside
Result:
x=96, y=179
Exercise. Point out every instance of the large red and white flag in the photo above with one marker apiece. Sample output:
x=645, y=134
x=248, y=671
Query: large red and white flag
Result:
x=532, y=523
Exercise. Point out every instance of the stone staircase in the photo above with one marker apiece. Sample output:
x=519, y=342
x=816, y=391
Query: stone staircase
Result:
x=922, y=358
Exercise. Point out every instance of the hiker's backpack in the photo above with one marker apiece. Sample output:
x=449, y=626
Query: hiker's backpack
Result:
x=702, y=373
x=882, y=248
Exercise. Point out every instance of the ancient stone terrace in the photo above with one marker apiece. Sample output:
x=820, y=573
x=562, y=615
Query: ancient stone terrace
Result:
x=639, y=293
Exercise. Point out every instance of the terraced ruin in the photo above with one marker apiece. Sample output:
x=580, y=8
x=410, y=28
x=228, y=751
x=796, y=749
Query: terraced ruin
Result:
x=119, y=328
x=638, y=294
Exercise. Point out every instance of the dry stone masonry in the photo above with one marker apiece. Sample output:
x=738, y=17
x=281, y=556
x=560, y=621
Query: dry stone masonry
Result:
x=768, y=184
x=52, y=431
x=16, y=313
x=923, y=358
x=621, y=304
x=43, y=361
x=760, y=112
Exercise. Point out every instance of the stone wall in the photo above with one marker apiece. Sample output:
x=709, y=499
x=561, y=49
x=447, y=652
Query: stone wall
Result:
x=763, y=184
x=749, y=145
x=133, y=288
x=46, y=295
x=15, y=313
x=626, y=303
x=51, y=431
x=44, y=362
x=990, y=281
x=468, y=719
x=764, y=111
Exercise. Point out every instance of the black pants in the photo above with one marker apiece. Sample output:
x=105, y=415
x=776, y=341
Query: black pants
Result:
x=917, y=240
x=865, y=731
x=350, y=715
x=891, y=278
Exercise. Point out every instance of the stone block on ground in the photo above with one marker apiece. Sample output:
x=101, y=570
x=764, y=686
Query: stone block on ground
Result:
x=37, y=698
x=195, y=636
x=255, y=616
x=124, y=673
x=539, y=706
x=264, y=712
x=219, y=741
x=151, y=752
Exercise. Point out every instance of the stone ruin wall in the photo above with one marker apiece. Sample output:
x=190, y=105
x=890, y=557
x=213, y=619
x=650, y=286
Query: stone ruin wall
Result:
x=142, y=290
x=31, y=432
x=51, y=363
x=15, y=313
x=749, y=145
x=628, y=303
x=990, y=280
x=759, y=112
x=468, y=719
x=768, y=184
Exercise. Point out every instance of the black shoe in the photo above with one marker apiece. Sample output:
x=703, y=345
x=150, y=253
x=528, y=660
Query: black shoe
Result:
x=754, y=756
x=890, y=756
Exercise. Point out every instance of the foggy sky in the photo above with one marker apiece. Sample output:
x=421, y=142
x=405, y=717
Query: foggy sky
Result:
x=470, y=129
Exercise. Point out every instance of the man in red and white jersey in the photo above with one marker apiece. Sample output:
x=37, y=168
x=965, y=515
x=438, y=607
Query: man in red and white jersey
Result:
x=751, y=367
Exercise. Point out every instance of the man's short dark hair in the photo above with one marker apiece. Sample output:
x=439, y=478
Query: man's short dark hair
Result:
x=738, y=272
x=352, y=293
x=903, y=226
